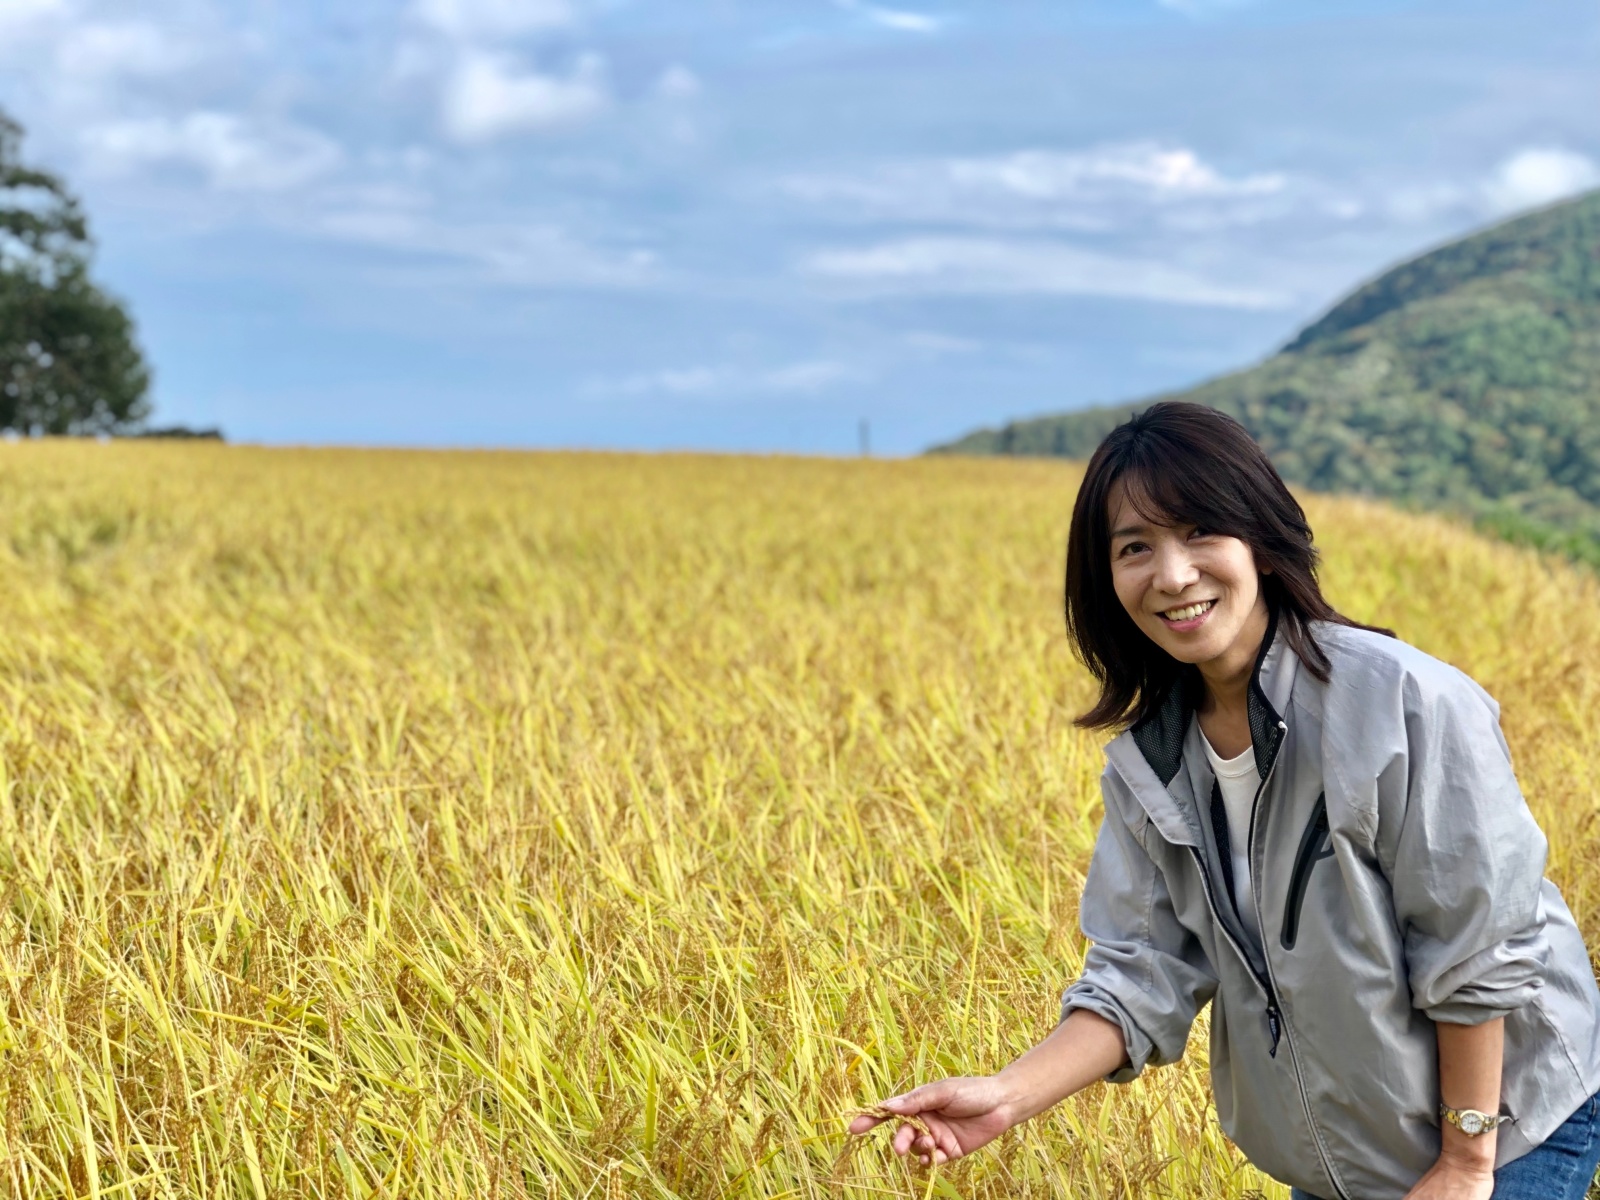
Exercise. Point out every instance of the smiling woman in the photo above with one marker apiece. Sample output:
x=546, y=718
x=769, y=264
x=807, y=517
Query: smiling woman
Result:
x=1187, y=510
x=1418, y=1017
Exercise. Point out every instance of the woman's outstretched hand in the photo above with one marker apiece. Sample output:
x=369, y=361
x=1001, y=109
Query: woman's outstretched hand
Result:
x=970, y=1111
x=962, y=1114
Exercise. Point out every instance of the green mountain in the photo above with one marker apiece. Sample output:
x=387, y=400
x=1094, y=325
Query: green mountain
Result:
x=1467, y=380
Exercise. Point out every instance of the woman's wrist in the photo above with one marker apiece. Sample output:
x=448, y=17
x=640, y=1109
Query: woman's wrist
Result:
x=1013, y=1106
x=1025, y=1090
x=1474, y=1154
x=1470, y=1058
x=1080, y=1050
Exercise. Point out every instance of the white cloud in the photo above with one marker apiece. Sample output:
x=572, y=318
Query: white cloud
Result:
x=899, y=19
x=679, y=83
x=519, y=254
x=932, y=342
x=26, y=27
x=108, y=49
x=486, y=90
x=806, y=377
x=799, y=378
x=1202, y=8
x=1097, y=188
x=18, y=14
x=680, y=381
x=905, y=22
x=1540, y=175
x=234, y=153
x=488, y=95
x=493, y=18
x=1527, y=179
x=1422, y=203
x=949, y=265
x=1160, y=170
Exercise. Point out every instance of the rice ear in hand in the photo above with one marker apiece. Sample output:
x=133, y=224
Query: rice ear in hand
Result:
x=854, y=1141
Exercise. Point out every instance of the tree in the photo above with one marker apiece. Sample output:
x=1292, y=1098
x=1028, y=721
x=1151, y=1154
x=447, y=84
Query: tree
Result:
x=68, y=360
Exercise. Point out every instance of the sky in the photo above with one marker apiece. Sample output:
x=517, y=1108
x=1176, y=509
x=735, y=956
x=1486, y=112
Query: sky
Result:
x=752, y=225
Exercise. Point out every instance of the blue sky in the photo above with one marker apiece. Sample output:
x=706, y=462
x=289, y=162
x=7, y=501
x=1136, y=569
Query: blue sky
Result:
x=749, y=225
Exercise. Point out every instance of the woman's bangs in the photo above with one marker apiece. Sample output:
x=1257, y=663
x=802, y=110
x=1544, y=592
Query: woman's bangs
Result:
x=1182, y=492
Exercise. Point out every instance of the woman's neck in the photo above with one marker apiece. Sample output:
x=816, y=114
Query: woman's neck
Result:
x=1225, y=710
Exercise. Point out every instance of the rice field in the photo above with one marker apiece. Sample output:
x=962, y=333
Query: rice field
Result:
x=495, y=825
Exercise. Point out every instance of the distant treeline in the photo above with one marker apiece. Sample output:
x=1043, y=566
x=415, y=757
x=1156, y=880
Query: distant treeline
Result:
x=179, y=432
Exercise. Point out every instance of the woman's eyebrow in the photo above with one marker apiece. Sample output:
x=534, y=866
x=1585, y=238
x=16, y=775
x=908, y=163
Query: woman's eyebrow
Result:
x=1129, y=531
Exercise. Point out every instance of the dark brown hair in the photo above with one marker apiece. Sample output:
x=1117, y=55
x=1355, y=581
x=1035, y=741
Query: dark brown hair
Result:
x=1184, y=464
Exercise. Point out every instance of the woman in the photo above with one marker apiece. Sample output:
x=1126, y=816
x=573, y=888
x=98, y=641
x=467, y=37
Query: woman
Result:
x=1315, y=827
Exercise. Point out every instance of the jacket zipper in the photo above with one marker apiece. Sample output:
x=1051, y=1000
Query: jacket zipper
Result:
x=1274, y=1014
x=1274, y=1017
x=1275, y=1022
x=1268, y=991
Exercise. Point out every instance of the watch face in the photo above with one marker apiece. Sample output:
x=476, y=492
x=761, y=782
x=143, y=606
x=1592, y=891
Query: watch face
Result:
x=1472, y=1123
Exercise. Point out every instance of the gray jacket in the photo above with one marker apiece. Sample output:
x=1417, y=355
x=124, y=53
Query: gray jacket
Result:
x=1398, y=879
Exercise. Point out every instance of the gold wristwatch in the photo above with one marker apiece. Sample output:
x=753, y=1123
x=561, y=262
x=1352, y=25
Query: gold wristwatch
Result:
x=1470, y=1121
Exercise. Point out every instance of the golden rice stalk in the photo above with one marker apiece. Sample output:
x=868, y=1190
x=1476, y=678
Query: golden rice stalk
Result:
x=428, y=825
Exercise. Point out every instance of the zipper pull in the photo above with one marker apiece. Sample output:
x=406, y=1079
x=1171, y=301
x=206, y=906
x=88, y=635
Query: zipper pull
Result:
x=1274, y=1027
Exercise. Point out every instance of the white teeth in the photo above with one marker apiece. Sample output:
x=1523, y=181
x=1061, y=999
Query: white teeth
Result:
x=1189, y=613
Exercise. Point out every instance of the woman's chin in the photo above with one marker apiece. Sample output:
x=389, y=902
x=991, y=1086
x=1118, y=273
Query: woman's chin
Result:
x=1192, y=648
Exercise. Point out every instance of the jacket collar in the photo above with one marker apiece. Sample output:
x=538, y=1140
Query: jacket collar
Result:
x=1149, y=755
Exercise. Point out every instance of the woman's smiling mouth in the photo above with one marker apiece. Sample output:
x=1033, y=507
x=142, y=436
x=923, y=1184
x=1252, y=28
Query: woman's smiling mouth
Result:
x=1189, y=616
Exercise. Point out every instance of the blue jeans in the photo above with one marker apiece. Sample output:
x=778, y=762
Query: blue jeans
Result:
x=1559, y=1168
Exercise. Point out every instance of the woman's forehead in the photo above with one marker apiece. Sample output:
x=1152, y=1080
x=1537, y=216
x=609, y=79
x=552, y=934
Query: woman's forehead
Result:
x=1131, y=508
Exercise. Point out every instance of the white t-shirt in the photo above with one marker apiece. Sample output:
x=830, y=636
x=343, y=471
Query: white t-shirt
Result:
x=1239, y=780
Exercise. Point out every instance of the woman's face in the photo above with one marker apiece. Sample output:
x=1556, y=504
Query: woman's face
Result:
x=1195, y=594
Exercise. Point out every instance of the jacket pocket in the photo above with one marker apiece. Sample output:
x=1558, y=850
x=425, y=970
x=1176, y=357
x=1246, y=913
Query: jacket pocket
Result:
x=1316, y=844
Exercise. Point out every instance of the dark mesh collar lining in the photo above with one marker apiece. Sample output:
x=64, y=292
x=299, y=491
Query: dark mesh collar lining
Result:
x=1160, y=735
x=1264, y=719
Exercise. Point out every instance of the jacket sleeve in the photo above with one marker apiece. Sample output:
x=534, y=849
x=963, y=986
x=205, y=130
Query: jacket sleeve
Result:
x=1144, y=971
x=1468, y=860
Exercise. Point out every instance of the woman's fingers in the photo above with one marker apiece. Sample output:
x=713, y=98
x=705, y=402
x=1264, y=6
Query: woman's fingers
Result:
x=932, y=1155
x=943, y=1140
x=920, y=1099
x=864, y=1124
x=939, y=1143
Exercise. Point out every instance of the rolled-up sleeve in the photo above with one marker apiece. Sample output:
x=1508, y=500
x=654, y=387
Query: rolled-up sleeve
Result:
x=1468, y=861
x=1144, y=971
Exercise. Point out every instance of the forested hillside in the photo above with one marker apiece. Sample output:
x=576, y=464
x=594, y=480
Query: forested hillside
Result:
x=1467, y=379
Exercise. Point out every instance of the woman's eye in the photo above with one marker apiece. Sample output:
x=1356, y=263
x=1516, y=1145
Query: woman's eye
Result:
x=1131, y=548
x=1200, y=531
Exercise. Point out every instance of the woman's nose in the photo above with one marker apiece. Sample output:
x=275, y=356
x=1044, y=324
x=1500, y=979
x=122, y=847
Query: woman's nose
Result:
x=1174, y=570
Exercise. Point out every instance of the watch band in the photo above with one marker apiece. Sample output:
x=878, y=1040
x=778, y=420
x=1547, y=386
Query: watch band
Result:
x=1470, y=1121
